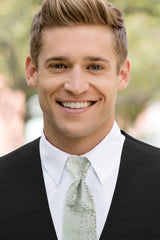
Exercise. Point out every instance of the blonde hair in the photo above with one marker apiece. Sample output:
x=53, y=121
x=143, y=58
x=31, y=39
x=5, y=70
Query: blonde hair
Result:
x=72, y=12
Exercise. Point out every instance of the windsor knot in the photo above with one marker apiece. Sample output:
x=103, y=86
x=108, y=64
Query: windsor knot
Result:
x=78, y=195
x=77, y=167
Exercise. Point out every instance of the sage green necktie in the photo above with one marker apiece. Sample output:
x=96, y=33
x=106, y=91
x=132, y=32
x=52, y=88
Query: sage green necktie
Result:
x=79, y=221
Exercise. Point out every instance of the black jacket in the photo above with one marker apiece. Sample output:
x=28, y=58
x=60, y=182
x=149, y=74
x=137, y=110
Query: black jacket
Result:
x=134, y=213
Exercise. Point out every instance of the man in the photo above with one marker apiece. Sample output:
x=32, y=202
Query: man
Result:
x=78, y=62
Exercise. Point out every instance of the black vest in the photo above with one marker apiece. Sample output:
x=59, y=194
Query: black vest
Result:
x=134, y=213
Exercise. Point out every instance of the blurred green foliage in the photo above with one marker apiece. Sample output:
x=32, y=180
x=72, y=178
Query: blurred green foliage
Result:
x=15, y=20
x=143, y=30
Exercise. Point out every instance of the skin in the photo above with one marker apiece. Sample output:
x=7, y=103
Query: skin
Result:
x=77, y=64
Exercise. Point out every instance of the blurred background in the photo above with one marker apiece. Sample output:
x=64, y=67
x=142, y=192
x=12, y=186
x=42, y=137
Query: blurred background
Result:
x=138, y=107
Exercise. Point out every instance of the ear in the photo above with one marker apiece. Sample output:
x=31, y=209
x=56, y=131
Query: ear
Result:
x=31, y=73
x=124, y=75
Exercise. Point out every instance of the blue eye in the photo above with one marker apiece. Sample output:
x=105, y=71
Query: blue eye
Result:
x=95, y=67
x=58, y=66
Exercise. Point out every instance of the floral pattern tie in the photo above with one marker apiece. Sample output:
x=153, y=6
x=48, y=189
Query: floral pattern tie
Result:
x=79, y=221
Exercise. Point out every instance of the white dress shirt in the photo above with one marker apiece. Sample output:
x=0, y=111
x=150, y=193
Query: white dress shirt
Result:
x=101, y=177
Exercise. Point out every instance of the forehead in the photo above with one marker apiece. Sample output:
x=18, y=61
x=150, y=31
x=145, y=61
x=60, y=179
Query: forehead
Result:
x=77, y=40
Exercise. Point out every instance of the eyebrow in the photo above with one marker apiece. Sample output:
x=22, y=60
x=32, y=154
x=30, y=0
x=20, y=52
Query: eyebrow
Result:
x=96, y=59
x=88, y=58
x=58, y=58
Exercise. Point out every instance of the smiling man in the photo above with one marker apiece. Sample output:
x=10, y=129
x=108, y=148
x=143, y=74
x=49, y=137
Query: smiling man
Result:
x=77, y=83
x=84, y=178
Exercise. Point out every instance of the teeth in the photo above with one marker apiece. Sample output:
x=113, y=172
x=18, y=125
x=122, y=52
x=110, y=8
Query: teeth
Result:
x=76, y=105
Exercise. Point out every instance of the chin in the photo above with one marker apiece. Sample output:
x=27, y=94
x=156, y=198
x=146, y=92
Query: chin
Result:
x=75, y=133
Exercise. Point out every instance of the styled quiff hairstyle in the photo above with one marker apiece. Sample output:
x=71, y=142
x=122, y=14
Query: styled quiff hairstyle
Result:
x=73, y=12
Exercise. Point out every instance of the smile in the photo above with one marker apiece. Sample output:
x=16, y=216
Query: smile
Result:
x=76, y=105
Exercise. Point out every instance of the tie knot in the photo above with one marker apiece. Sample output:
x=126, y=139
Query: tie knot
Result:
x=77, y=167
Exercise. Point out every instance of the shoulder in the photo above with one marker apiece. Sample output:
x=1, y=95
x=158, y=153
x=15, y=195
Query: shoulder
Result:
x=20, y=158
x=139, y=143
x=140, y=162
x=140, y=149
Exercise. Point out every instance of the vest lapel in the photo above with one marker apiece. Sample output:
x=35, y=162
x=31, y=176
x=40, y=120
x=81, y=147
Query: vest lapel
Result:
x=114, y=225
x=46, y=226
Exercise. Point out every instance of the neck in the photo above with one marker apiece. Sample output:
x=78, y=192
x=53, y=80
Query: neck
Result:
x=79, y=145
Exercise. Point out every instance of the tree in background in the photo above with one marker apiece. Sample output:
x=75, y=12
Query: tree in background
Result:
x=15, y=20
x=143, y=30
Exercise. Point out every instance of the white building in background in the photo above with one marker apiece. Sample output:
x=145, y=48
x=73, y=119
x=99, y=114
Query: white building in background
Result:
x=34, y=126
x=147, y=125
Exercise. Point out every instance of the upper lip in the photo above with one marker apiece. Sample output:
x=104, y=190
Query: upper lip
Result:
x=77, y=101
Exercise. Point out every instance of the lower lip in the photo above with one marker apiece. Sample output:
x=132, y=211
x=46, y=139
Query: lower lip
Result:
x=76, y=110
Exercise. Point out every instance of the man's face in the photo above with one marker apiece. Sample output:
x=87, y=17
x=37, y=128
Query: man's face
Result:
x=77, y=81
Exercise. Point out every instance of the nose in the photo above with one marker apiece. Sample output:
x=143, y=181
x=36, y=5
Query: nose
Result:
x=76, y=82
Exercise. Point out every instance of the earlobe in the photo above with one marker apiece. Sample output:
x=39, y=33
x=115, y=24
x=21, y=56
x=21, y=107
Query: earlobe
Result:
x=31, y=74
x=124, y=75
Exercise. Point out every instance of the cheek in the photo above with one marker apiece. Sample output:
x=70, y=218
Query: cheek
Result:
x=44, y=95
x=47, y=86
x=107, y=88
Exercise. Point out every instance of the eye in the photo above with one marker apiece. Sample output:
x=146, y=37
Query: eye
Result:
x=57, y=66
x=95, y=67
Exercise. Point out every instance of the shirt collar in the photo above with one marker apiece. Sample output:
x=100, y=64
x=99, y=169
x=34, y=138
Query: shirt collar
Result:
x=53, y=159
x=103, y=157
x=107, y=154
